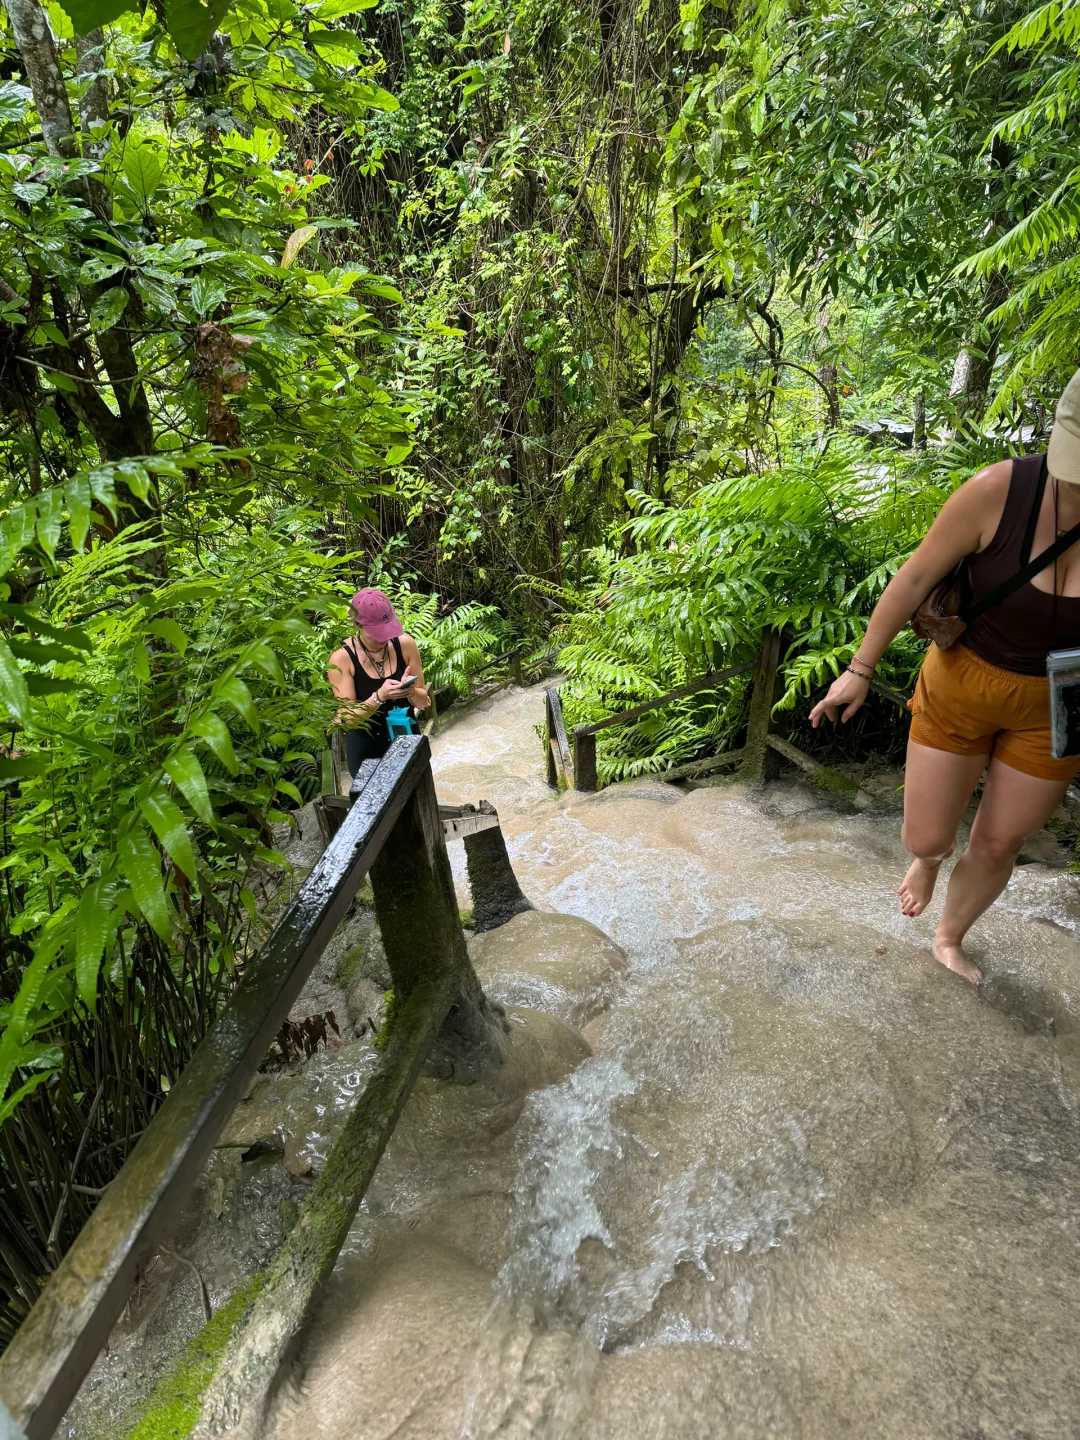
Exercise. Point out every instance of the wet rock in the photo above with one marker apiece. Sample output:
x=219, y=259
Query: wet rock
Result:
x=233, y=1222
x=410, y=1343
x=556, y=963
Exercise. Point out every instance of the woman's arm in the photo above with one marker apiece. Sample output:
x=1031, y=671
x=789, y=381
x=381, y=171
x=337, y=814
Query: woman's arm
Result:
x=418, y=696
x=343, y=684
x=964, y=524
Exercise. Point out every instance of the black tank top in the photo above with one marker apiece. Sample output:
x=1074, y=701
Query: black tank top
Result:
x=1017, y=633
x=366, y=684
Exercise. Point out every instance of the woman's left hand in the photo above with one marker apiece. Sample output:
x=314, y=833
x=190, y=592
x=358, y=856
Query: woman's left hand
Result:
x=846, y=694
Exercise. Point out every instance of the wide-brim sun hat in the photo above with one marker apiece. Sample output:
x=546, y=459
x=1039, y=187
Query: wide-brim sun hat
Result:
x=372, y=610
x=1063, y=453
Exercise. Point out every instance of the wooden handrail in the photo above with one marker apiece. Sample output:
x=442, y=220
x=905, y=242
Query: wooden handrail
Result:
x=54, y=1348
x=714, y=677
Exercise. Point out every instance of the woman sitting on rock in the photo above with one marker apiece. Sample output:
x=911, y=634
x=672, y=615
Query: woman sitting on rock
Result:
x=983, y=703
x=375, y=671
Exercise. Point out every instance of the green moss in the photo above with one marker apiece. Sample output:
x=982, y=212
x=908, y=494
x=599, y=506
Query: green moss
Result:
x=467, y=919
x=835, y=782
x=382, y=1039
x=349, y=964
x=173, y=1409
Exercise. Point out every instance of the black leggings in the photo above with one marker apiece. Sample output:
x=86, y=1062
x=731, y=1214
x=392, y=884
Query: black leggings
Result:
x=369, y=744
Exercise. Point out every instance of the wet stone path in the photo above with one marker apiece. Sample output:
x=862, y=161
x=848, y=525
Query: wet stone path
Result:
x=758, y=1169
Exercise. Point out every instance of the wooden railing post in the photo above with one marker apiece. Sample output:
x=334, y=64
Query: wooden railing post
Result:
x=756, y=750
x=585, y=759
x=418, y=916
x=497, y=897
x=549, y=742
x=516, y=672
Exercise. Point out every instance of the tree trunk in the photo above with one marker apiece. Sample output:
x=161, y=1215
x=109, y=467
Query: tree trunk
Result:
x=37, y=48
x=918, y=440
x=827, y=372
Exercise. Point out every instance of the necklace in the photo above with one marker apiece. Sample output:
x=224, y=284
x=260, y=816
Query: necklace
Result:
x=379, y=661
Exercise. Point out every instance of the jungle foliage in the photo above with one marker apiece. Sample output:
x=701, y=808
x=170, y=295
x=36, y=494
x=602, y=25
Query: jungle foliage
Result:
x=554, y=320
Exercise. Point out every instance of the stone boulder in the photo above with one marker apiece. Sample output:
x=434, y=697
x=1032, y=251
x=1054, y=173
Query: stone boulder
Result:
x=559, y=964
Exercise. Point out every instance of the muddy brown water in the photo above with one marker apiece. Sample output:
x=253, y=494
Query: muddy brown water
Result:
x=803, y=1183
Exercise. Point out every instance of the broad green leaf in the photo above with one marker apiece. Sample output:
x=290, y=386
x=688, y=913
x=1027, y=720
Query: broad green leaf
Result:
x=16, y=533
x=215, y=732
x=191, y=24
x=95, y=922
x=30, y=191
x=263, y=658
x=397, y=453
x=23, y=768
x=169, y=826
x=87, y=15
x=338, y=9
x=141, y=867
x=49, y=518
x=207, y=293
x=237, y=694
x=169, y=631
x=103, y=485
x=184, y=770
x=67, y=634
x=100, y=267
x=143, y=170
x=286, y=787
x=48, y=685
x=108, y=308
x=14, y=101
x=135, y=477
x=14, y=697
x=140, y=661
x=39, y=652
x=78, y=498
x=296, y=241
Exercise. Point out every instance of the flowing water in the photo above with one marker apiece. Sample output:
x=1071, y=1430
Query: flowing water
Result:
x=804, y=1184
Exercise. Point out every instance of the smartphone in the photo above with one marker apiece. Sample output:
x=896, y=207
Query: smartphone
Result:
x=406, y=681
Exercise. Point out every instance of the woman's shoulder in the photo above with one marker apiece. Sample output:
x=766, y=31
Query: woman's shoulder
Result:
x=342, y=653
x=407, y=642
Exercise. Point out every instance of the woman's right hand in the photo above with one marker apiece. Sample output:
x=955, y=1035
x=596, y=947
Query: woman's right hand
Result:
x=846, y=695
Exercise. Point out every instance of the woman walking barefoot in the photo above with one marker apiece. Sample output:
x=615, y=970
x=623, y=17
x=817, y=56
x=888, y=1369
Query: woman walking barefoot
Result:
x=983, y=704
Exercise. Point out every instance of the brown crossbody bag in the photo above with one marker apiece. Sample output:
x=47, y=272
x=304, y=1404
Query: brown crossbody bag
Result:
x=949, y=609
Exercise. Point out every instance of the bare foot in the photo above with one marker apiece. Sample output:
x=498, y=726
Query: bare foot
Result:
x=917, y=886
x=951, y=954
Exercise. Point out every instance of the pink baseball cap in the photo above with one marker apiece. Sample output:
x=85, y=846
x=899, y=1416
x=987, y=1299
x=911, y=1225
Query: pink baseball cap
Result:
x=373, y=611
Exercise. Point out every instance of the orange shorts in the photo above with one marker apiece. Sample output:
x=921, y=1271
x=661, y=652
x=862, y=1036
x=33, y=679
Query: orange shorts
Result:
x=967, y=706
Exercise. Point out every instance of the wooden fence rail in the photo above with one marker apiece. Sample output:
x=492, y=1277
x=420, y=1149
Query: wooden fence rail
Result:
x=753, y=760
x=46, y=1362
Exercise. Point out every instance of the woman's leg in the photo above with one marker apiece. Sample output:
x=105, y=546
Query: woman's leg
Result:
x=937, y=788
x=1013, y=806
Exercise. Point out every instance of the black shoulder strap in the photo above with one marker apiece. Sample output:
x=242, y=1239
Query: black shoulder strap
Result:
x=1033, y=567
x=1033, y=514
x=356, y=667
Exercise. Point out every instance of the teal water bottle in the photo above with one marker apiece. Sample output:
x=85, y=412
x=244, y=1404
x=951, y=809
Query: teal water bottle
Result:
x=399, y=722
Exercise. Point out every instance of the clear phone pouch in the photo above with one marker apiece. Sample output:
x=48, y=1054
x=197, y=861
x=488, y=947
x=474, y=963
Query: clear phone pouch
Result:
x=1063, y=671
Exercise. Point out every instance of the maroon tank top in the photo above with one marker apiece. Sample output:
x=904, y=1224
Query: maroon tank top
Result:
x=1017, y=633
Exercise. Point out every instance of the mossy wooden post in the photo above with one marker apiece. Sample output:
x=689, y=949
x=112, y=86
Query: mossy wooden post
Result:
x=755, y=759
x=421, y=933
x=585, y=759
x=516, y=673
x=496, y=895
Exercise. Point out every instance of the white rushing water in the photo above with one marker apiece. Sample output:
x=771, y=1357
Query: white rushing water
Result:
x=806, y=1184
